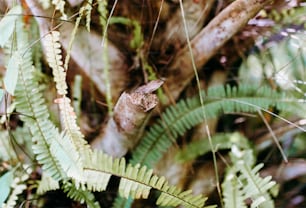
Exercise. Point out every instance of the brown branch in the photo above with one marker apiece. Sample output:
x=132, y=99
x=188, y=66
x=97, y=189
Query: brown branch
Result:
x=209, y=41
x=195, y=14
x=123, y=130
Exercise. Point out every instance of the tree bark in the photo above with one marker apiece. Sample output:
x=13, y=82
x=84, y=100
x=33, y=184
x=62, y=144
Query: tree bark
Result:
x=124, y=128
x=207, y=43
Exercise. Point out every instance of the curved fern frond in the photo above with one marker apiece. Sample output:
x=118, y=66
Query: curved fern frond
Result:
x=31, y=105
x=254, y=186
x=233, y=196
x=69, y=125
x=220, y=141
x=29, y=102
x=80, y=195
x=69, y=158
x=47, y=183
x=136, y=181
x=187, y=113
x=54, y=59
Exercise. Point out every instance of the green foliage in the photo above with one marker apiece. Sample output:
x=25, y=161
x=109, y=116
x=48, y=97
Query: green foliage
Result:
x=137, y=41
x=54, y=59
x=220, y=141
x=6, y=24
x=283, y=63
x=136, y=181
x=16, y=184
x=65, y=156
x=104, y=21
x=242, y=181
x=68, y=163
x=80, y=195
x=176, y=120
x=5, y=183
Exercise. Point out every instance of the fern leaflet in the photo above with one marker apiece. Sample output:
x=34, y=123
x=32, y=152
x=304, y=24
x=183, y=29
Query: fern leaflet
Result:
x=54, y=59
x=187, y=113
x=136, y=181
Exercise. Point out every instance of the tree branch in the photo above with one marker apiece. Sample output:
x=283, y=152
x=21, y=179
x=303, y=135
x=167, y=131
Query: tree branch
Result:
x=123, y=130
x=209, y=41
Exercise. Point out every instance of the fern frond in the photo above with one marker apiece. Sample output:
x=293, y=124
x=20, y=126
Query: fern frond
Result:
x=220, y=141
x=47, y=183
x=188, y=113
x=60, y=6
x=80, y=195
x=233, y=196
x=54, y=59
x=136, y=181
x=30, y=103
x=84, y=9
x=18, y=186
x=69, y=125
x=254, y=186
x=69, y=158
x=88, y=8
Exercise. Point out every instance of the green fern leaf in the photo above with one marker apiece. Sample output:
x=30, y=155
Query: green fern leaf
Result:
x=18, y=185
x=69, y=158
x=97, y=180
x=47, y=183
x=7, y=24
x=5, y=185
x=31, y=105
x=188, y=113
x=255, y=187
x=80, y=195
x=11, y=76
x=54, y=59
x=233, y=196
x=201, y=147
x=68, y=118
x=136, y=182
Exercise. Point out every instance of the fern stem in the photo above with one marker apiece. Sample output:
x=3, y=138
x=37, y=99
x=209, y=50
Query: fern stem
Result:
x=201, y=102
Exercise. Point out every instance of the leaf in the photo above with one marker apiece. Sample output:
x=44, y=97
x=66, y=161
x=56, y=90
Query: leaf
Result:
x=11, y=76
x=7, y=22
x=5, y=185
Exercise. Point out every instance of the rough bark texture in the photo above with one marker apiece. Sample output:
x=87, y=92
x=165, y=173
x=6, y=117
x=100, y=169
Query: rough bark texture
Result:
x=196, y=15
x=123, y=129
x=209, y=41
